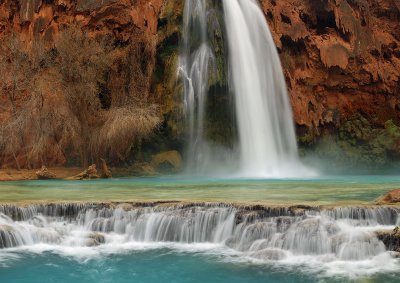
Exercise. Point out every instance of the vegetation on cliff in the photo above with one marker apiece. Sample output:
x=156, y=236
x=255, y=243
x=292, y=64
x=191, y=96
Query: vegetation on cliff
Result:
x=62, y=105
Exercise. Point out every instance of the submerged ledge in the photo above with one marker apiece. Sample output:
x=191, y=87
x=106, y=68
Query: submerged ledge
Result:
x=256, y=209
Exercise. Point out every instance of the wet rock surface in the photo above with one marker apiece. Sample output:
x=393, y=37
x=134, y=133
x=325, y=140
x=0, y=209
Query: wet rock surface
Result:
x=95, y=239
x=391, y=239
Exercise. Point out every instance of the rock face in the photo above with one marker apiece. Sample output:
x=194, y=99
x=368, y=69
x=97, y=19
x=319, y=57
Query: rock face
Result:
x=340, y=57
x=44, y=18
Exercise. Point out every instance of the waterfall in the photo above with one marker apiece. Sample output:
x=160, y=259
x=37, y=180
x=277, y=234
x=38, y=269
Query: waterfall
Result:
x=266, y=131
x=268, y=234
x=266, y=144
x=196, y=62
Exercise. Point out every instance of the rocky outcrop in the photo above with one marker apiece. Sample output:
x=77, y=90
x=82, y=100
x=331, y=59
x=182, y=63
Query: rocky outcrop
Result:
x=391, y=239
x=392, y=197
x=45, y=174
x=88, y=174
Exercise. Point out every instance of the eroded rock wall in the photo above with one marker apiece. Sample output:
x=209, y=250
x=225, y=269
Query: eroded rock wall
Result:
x=120, y=17
x=340, y=57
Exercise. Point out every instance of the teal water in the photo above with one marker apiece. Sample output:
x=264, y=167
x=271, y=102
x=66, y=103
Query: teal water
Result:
x=121, y=261
x=157, y=266
x=325, y=191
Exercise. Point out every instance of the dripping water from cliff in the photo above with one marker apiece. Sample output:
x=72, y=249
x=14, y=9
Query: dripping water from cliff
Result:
x=196, y=61
x=266, y=142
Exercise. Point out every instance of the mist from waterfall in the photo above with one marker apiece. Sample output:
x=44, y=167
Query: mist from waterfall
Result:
x=266, y=145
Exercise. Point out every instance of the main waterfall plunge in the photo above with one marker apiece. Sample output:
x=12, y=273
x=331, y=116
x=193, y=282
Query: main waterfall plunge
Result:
x=266, y=142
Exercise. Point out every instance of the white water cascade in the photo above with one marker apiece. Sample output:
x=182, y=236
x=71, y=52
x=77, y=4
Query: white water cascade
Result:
x=266, y=132
x=266, y=136
x=196, y=62
x=341, y=240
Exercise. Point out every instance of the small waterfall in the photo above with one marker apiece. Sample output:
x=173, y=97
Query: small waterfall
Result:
x=266, y=144
x=196, y=63
x=269, y=234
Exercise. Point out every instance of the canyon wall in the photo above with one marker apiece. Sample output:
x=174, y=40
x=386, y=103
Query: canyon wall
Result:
x=341, y=59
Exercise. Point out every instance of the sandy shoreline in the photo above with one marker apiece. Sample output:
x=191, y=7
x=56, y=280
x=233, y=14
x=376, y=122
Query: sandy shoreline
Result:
x=30, y=174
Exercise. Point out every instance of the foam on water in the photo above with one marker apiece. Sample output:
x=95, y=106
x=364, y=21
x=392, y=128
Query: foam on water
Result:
x=337, y=242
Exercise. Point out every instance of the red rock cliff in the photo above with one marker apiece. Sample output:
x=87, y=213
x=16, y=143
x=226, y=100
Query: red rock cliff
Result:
x=340, y=57
x=37, y=17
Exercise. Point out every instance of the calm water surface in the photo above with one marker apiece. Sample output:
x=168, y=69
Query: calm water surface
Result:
x=332, y=190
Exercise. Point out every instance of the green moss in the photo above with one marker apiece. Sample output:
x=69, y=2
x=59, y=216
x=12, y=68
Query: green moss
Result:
x=305, y=139
x=287, y=60
x=360, y=145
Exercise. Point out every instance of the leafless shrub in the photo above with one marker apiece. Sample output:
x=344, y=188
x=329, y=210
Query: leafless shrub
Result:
x=133, y=70
x=122, y=128
x=15, y=68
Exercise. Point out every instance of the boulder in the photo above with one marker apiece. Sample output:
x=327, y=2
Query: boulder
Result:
x=105, y=172
x=169, y=161
x=390, y=198
x=391, y=239
x=95, y=239
x=45, y=174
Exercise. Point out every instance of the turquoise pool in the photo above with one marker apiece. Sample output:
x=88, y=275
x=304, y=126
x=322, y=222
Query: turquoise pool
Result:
x=324, y=191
